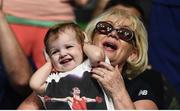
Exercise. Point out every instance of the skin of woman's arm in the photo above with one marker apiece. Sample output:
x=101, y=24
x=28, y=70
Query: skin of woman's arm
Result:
x=123, y=101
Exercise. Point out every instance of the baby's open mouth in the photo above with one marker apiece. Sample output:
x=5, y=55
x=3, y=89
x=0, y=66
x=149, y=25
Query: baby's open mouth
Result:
x=65, y=61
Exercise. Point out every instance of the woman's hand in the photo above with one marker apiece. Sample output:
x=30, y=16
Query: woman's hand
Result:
x=110, y=77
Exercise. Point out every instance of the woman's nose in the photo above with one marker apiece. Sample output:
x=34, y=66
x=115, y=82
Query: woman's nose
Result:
x=113, y=34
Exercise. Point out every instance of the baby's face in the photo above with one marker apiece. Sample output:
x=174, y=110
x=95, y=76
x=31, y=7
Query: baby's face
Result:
x=66, y=52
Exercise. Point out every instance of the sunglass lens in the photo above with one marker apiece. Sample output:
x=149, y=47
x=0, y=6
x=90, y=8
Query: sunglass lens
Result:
x=124, y=34
x=104, y=28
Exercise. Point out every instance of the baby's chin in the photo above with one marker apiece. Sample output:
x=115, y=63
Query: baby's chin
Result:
x=66, y=69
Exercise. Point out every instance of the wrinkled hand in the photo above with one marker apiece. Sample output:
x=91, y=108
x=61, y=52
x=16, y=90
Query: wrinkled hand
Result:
x=99, y=99
x=110, y=77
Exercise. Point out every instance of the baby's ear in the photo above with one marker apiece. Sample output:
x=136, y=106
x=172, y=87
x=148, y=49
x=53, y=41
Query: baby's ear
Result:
x=47, y=58
x=86, y=40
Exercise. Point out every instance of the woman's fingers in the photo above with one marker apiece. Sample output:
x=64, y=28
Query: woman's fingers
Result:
x=106, y=65
x=109, y=67
x=97, y=77
x=99, y=72
x=106, y=70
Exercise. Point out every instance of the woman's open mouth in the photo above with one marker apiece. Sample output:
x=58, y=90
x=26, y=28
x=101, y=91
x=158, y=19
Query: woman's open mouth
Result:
x=110, y=46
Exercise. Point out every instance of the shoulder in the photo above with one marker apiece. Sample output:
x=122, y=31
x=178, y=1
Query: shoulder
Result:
x=138, y=89
x=53, y=76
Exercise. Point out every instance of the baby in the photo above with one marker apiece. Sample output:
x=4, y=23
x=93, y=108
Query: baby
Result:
x=69, y=59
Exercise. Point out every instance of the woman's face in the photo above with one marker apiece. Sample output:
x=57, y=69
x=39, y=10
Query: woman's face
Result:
x=117, y=50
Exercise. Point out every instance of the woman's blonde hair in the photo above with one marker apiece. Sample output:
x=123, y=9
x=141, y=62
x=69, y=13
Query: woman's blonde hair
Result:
x=135, y=67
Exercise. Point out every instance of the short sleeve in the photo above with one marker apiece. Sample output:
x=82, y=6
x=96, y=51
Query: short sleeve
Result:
x=140, y=90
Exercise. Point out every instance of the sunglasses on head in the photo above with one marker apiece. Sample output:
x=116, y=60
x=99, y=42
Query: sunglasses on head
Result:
x=123, y=33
